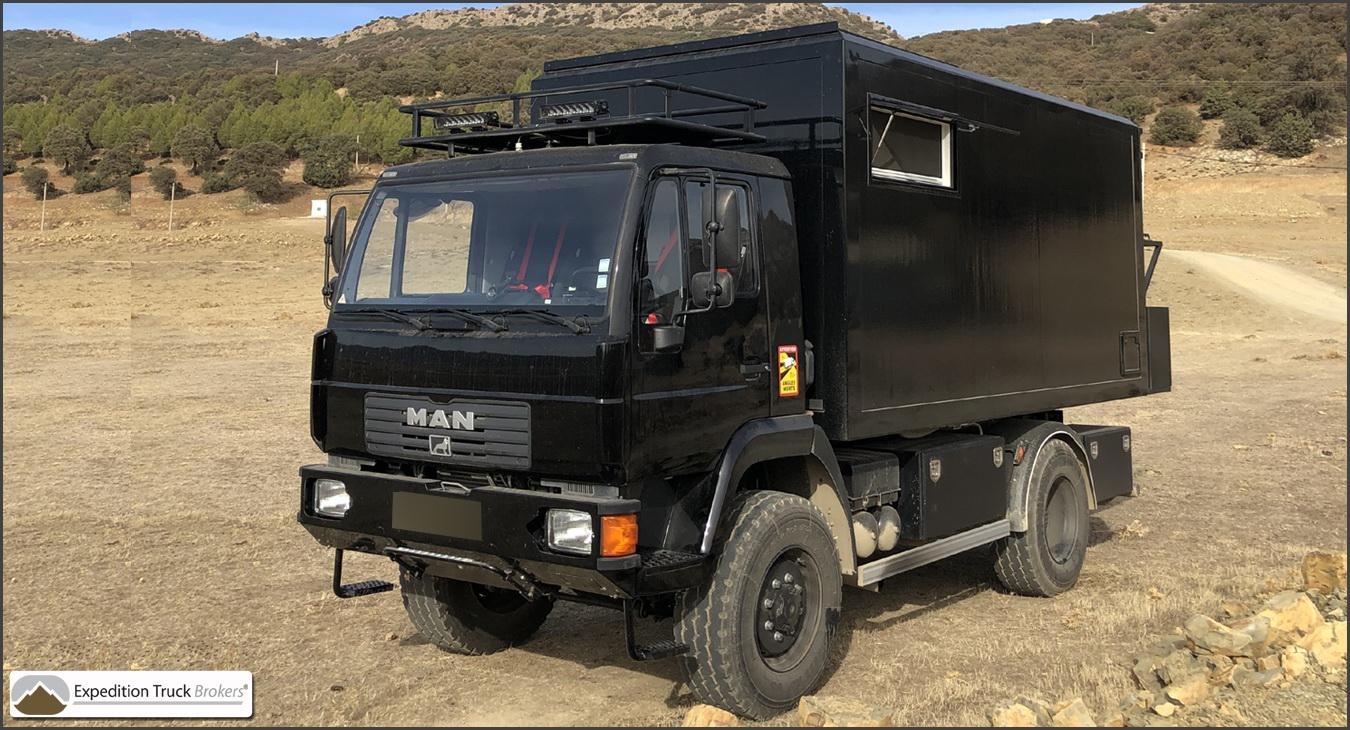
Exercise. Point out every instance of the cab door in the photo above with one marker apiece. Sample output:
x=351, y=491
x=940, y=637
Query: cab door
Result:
x=689, y=398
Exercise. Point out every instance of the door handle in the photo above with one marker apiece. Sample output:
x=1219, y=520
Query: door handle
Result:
x=752, y=370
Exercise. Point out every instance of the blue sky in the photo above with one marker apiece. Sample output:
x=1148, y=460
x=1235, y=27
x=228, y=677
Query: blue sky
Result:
x=220, y=20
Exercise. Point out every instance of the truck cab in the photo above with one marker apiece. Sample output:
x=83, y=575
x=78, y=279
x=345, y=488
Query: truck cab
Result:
x=665, y=347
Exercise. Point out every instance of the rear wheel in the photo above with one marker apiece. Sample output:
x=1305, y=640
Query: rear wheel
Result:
x=759, y=631
x=467, y=618
x=1047, y=558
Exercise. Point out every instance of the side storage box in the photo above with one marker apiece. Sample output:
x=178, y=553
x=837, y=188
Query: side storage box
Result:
x=1109, y=458
x=949, y=483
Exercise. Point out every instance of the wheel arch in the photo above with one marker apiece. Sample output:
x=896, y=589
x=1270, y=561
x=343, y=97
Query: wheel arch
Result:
x=1033, y=435
x=786, y=454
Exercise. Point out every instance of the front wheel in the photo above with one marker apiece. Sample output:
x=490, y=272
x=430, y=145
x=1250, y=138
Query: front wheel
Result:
x=759, y=630
x=467, y=618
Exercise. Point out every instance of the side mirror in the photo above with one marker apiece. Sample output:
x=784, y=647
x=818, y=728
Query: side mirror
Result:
x=336, y=239
x=667, y=337
x=705, y=290
x=726, y=239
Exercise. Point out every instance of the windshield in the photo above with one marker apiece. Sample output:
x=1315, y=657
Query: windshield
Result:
x=524, y=240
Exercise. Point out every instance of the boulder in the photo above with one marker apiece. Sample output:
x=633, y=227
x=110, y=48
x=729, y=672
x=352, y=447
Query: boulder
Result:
x=1166, y=709
x=1244, y=677
x=1324, y=572
x=1292, y=615
x=1145, y=673
x=1214, y=637
x=1294, y=661
x=1190, y=690
x=820, y=711
x=1013, y=715
x=1258, y=628
x=709, y=716
x=1327, y=644
x=1038, y=706
x=1073, y=713
x=1178, y=664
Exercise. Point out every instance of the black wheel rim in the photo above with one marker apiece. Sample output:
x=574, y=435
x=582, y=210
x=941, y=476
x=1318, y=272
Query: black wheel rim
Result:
x=785, y=613
x=1061, y=523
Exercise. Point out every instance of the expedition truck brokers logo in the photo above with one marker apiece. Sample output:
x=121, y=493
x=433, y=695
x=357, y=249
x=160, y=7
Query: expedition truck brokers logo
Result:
x=789, y=384
x=131, y=694
x=456, y=421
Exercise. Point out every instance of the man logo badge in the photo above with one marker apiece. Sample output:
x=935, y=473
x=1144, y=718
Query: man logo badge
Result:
x=455, y=421
x=439, y=445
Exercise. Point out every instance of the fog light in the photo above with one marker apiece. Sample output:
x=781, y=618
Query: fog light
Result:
x=570, y=531
x=331, y=498
x=618, y=535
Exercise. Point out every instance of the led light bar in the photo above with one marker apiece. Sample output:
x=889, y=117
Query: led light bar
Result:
x=479, y=120
x=576, y=111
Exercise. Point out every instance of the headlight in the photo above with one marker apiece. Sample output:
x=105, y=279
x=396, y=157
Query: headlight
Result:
x=570, y=531
x=331, y=498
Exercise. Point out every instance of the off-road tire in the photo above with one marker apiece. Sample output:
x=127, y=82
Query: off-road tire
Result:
x=1027, y=562
x=465, y=618
x=719, y=620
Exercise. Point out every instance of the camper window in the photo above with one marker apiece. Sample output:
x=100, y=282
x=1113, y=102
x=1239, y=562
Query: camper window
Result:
x=908, y=148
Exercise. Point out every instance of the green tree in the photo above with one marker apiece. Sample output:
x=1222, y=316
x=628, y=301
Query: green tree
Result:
x=256, y=168
x=194, y=145
x=1133, y=108
x=164, y=180
x=1217, y=100
x=1290, y=136
x=217, y=182
x=328, y=163
x=13, y=142
x=1175, y=126
x=66, y=144
x=1241, y=129
x=35, y=181
x=11, y=165
x=119, y=162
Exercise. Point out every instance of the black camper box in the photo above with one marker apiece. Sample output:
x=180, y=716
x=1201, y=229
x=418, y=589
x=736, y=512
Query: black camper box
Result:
x=1007, y=280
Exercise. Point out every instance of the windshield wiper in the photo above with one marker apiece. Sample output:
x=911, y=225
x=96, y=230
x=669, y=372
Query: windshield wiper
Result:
x=423, y=324
x=543, y=315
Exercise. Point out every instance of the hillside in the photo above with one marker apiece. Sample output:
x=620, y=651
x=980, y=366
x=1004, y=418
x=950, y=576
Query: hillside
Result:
x=146, y=86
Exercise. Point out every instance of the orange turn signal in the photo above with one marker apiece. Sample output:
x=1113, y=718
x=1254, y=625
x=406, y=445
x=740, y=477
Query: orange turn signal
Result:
x=618, y=535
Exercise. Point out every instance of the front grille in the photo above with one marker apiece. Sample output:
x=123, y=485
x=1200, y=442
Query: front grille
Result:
x=469, y=432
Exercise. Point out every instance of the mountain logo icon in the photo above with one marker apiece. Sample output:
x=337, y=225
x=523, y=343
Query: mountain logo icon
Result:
x=39, y=694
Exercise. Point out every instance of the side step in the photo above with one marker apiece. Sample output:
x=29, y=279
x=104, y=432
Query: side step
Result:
x=354, y=590
x=646, y=652
x=878, y=570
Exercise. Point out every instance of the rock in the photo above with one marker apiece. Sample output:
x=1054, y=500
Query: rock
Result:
x=1323, y=572
x=1166, y=709
x=1258, y=628
x=1234, y=609
x=709, y=716
x=1244, y=677
x=1266, y=663
x=1014, y=715
x=1189, y=690
x=1326, y=644
x=1073, y=714
x=1178, y=664
x=820, y=711
x=1213, y=636
x=1145, y=674
x=1294, y=661
x=1038, y=706
x=1114, y=719
x=1292, y=615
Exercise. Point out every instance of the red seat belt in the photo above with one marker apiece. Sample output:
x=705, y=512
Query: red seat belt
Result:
x=665, y=250
x=519, y=283
x=545, y=290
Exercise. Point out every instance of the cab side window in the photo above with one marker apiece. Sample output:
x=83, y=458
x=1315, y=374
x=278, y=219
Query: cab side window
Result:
x=663, y=261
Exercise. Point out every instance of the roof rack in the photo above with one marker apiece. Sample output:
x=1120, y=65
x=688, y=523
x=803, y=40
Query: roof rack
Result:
x=536, y=120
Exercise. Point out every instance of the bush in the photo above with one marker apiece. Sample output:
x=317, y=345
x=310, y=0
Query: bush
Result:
x=119, y=162
x=164, y=180
x=1241, y=130
x=1133, y=108
x=1175, y=126
x=11, y=165
x=123, y=187
x=328, y=164
x=35, y=181
x=1216, y=103
x=1291, y=136
x=90, y=183
x=256, y=167
x=217, y=183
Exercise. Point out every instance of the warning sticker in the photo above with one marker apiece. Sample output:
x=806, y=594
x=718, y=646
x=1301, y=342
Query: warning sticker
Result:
x=787, y=372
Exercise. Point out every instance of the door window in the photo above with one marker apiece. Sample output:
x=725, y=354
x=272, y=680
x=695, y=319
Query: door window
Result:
x=664, y=256
x=746, y=266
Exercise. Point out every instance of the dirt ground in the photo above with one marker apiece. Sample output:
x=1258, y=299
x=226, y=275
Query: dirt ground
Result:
x=155, y=411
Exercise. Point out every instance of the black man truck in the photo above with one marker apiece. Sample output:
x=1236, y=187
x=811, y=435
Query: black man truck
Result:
x=706, y=333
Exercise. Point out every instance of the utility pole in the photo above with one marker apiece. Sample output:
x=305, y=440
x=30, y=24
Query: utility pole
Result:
x=358, y=153
x=173, y=193
x=42, y=225
x=276, y=68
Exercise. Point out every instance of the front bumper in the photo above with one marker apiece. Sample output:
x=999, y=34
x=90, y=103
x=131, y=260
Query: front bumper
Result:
x=489, y=535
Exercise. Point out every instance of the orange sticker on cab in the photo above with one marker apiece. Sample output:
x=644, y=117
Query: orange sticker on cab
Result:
x=788, y=380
